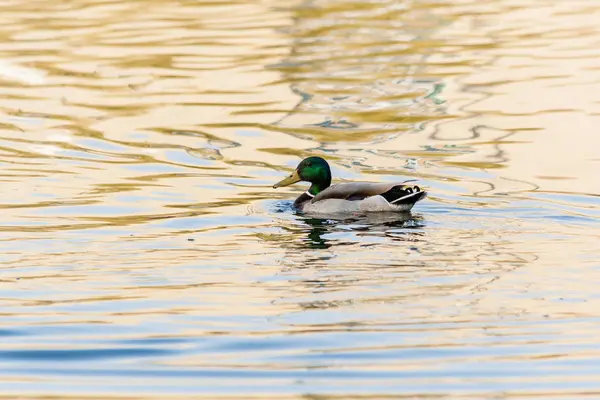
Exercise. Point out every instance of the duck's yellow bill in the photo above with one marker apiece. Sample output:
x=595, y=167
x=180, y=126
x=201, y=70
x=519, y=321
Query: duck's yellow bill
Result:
x=293, y=178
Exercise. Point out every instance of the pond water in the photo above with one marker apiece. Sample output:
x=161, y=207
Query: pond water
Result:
x=146, y=255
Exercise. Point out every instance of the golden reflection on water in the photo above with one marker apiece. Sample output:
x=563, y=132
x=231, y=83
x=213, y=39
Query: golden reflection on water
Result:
x=145, y=253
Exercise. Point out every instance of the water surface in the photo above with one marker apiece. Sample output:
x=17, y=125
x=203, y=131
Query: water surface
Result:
x=145, y=254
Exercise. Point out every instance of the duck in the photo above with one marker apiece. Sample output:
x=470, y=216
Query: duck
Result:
x=323, y=197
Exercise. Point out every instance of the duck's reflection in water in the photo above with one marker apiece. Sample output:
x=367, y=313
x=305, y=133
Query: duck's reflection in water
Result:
x=317, y=228
x=382, y=224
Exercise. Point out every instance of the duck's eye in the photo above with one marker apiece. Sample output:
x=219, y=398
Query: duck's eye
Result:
x=308, y=164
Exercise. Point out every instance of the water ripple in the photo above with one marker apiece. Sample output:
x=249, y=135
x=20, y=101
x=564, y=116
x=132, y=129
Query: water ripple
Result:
x=145, y=252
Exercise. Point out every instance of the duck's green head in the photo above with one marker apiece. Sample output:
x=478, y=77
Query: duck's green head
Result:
x=312, y=169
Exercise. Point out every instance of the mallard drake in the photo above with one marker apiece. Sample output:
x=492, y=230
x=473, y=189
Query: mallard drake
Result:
x=322, y=197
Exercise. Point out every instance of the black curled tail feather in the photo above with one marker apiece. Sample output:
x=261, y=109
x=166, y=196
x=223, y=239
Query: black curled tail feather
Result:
x=403, y=194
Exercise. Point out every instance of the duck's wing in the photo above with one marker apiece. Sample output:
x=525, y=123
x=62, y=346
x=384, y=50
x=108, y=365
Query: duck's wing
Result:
x=355, y=191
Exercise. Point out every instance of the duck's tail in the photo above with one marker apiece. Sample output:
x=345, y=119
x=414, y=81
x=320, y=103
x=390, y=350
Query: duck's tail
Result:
x=404, y=194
